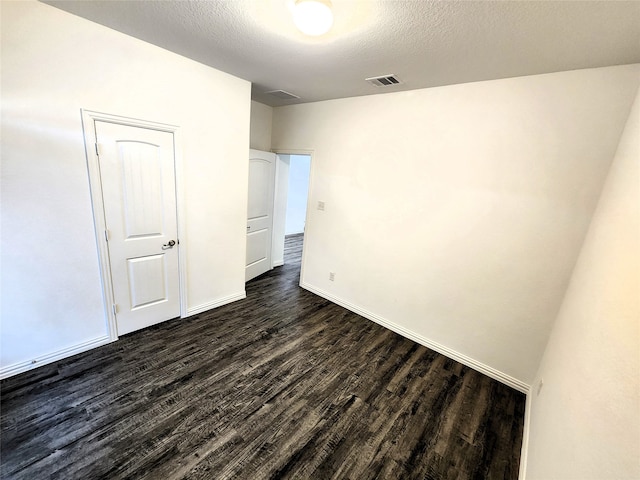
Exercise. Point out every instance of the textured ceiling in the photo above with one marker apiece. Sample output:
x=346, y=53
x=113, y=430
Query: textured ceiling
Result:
x=424, y=43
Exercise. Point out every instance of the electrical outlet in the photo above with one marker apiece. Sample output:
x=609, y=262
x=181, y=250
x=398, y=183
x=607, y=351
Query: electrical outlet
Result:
x=540, y=383
x=332, y=276
x=320, y=205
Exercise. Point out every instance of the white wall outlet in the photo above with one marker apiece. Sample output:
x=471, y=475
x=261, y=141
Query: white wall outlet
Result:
x=540, y=383
x=332, y=276
x=320, y=205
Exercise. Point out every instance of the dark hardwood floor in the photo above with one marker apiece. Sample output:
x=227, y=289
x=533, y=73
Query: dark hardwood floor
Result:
x=283, y=384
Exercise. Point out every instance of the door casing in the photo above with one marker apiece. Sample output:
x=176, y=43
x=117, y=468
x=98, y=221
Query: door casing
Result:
x=89, y=118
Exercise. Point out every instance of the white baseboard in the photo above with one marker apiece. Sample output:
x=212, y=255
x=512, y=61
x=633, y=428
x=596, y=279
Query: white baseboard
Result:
x=217, y=303
x=16, y=368
x=525, y=436
x=10, y=370
x=446, y=351
x=278, y=263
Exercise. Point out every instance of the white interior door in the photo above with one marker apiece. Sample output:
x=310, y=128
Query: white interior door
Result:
x=260, y=212
x=137, y=173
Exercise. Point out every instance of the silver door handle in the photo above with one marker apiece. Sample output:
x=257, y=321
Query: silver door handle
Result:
x=169, y=244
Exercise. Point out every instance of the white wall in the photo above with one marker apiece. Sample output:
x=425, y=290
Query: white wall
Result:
x=455, y=214
x=261, y=116
x=54, y=64
x=585, y=424
x=299, y=170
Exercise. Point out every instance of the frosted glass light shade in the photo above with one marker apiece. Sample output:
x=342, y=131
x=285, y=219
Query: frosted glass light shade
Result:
x=313, y=17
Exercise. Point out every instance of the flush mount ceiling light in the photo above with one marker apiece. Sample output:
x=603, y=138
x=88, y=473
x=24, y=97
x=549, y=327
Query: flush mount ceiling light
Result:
x=313, y=17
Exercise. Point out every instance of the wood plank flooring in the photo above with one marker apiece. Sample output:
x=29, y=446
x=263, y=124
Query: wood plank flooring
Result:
x=282, y=385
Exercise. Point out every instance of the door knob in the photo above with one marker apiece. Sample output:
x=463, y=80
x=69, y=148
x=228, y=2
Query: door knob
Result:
x=169, y=244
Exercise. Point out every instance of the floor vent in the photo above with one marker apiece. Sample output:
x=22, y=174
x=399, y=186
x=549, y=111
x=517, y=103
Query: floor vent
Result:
x=281, y=94
x=384, y=80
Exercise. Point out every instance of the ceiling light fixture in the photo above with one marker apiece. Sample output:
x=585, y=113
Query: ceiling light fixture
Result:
x=313, y=17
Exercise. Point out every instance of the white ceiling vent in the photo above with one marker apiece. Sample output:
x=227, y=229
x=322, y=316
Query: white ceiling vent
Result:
x=281, y=94
x=384, y=80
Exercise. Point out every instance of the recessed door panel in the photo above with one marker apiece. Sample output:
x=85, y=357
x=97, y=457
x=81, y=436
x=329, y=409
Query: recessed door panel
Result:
x=142, y=177
x=257, y=246
x=147, y=283
x=260, y=179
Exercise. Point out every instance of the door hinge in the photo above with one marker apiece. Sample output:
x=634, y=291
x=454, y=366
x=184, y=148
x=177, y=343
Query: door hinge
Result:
x=115, y=308
x=106, y=235
x=97, y=149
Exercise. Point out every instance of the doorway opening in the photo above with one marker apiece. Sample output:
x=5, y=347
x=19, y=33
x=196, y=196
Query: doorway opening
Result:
x=290, y=215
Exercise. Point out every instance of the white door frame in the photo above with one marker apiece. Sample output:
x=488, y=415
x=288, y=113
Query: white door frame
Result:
x=290, y=151
x=97, y=205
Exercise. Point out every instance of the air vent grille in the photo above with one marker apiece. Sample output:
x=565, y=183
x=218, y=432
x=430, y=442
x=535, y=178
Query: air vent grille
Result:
x=281, y=94
x=384, y=80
